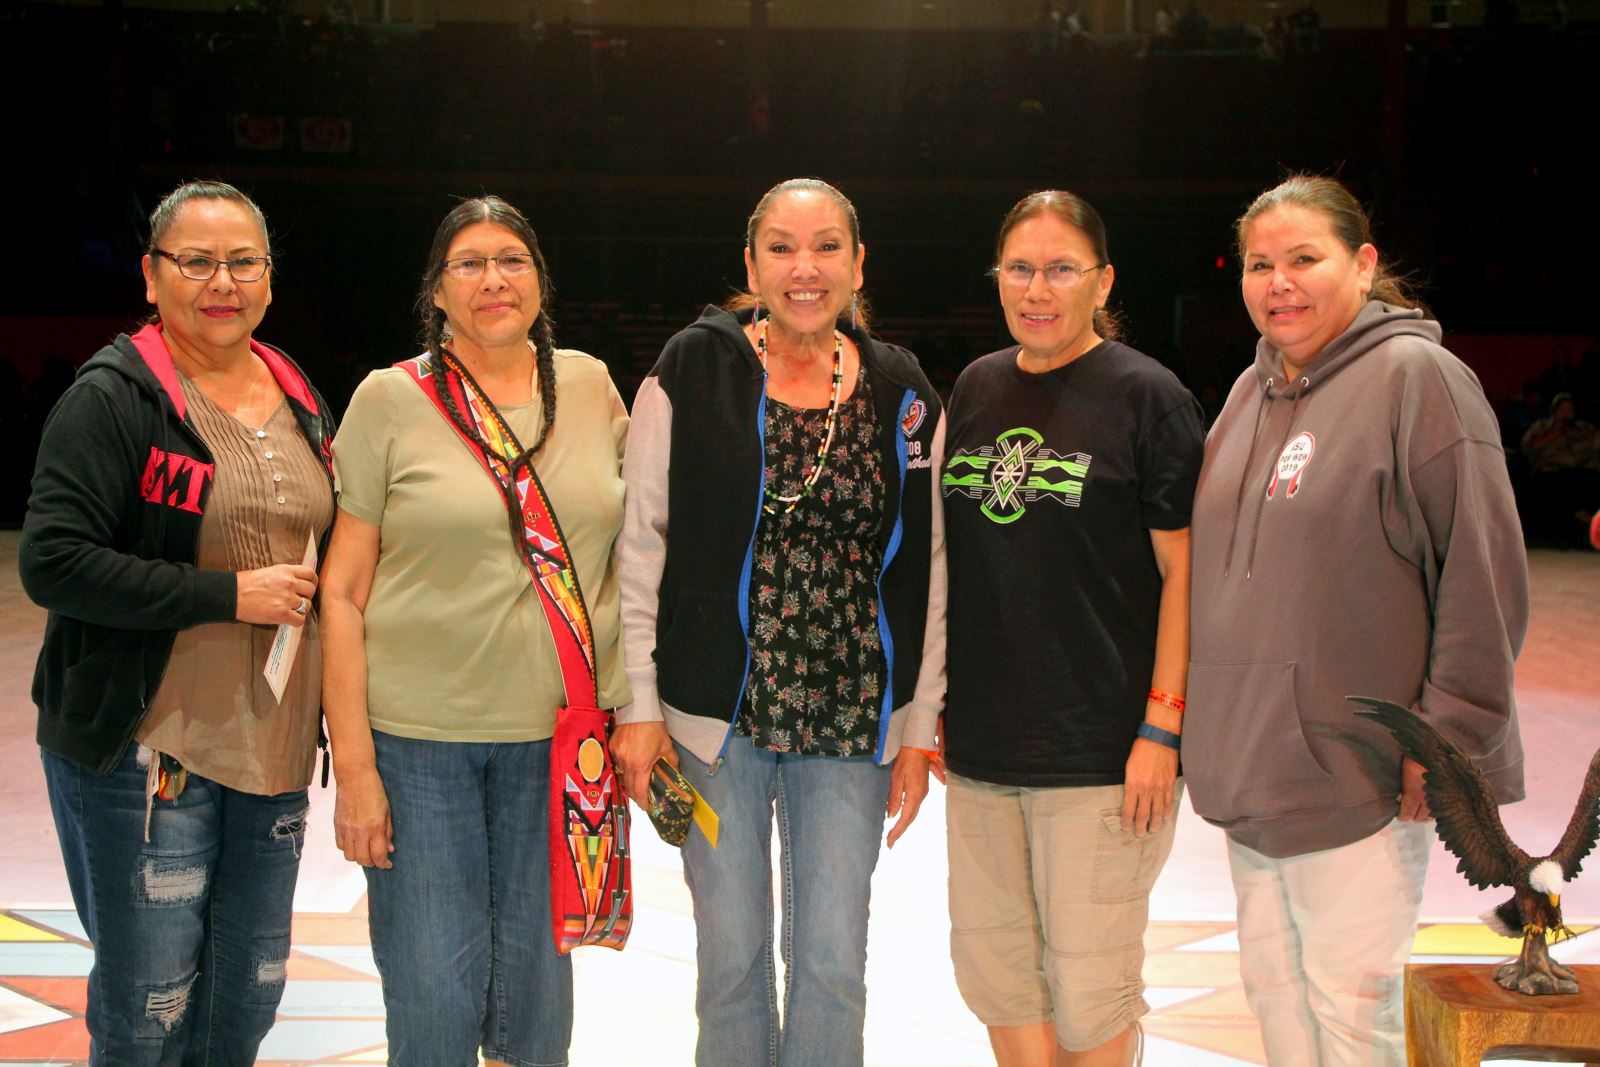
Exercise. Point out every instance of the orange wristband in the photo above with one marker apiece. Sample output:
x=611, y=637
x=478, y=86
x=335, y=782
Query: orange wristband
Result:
x=931, y=753
x=1171, y=700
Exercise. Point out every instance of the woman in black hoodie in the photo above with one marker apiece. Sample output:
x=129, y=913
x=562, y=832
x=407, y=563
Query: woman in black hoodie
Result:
x=181, y=491
x=782, y=602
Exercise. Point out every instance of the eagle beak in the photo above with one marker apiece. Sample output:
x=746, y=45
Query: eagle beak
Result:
x=1555, y=899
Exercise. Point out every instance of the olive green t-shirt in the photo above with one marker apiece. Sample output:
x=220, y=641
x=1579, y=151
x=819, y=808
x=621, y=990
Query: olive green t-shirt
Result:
x=457, y=644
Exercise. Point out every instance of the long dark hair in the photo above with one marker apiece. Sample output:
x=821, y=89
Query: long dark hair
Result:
x=435, y=328
x=1345, y=216
x=1078, y=213
x=435, y=338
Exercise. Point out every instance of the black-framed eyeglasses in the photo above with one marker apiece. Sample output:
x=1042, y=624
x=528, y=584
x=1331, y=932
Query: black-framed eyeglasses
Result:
x=198, y=268
x=1019, y=273
x=468, y=267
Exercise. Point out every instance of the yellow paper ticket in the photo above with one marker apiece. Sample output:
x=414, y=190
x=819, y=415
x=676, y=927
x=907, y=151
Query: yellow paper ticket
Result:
x=705, y=818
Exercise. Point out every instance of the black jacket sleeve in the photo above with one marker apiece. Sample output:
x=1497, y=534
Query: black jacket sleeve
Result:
x=84, y=526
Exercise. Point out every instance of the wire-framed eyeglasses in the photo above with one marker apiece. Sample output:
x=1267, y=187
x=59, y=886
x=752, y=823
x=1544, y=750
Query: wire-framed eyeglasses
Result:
x=198, y=268
x=1019, y=273
x=468, y=267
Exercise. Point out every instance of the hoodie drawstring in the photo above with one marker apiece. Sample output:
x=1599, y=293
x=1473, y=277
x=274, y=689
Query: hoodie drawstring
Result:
x=1261, y=496
x=1244, y=476
x=1249, y=465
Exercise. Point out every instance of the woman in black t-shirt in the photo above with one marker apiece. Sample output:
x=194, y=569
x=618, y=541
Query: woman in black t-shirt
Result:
x=1071, y=465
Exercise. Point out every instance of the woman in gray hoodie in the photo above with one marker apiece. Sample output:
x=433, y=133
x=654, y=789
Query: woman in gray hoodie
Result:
x=1354, y=533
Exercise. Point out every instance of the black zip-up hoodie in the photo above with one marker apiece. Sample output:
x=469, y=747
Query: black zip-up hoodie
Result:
x=717, y=390
x=111, y=534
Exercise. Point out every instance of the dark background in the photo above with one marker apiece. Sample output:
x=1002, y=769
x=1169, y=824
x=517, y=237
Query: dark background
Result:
x=637, y=152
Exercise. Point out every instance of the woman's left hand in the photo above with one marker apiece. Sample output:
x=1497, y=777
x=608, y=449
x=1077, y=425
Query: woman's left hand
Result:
x=1147, y=787
x=908, y=785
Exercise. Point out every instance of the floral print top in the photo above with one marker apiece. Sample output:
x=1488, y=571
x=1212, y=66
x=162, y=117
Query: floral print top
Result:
x=816, y=658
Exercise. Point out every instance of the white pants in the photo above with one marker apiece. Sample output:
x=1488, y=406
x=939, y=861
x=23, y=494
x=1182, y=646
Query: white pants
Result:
x=1323, y=943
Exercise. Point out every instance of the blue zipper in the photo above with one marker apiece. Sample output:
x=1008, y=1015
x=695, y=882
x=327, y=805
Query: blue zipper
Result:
x=749, y=564
x=888, y=557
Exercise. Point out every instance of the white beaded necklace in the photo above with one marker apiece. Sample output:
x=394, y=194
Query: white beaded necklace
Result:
x=774, y=498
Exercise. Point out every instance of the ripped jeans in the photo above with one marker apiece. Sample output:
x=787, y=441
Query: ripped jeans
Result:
x=190, y=929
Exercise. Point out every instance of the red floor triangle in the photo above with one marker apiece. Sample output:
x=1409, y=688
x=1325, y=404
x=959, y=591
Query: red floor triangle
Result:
x=65, y=1040
x=65, y=994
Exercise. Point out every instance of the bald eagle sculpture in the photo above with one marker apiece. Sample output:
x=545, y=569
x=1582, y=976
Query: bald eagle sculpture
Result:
x=1468, y=822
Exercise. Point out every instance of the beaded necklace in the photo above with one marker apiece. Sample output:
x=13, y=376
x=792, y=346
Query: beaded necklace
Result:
x=774, y=498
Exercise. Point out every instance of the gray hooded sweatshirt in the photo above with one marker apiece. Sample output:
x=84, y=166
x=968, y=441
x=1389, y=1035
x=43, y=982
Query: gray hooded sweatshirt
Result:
x=1354, y=534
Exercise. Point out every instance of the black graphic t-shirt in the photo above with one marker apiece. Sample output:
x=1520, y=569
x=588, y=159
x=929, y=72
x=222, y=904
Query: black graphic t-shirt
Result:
x=816, y=658
x=1051, y=485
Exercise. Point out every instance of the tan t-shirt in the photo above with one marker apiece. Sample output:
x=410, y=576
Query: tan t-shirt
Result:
x=214, y=711
x=457, y=644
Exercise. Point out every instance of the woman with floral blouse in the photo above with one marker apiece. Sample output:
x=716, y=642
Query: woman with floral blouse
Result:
x=782, y=565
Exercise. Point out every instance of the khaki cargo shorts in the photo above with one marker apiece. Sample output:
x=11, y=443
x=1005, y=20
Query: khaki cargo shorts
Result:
x=1048, y=904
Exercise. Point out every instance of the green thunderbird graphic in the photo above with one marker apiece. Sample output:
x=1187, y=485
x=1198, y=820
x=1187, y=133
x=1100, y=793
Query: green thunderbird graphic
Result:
x=1014, y=472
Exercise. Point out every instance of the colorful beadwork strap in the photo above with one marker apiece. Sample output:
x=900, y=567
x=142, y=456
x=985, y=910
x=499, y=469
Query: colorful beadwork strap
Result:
x=548, y=557
x=591, y=897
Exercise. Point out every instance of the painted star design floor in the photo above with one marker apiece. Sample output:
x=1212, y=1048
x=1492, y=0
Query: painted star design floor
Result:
x=636, y=1007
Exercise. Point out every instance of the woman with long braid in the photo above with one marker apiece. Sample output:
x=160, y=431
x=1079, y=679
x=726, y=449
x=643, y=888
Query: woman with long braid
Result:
x=445, y=670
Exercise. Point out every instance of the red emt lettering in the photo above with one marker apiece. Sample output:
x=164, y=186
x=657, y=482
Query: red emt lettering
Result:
x=160, y=483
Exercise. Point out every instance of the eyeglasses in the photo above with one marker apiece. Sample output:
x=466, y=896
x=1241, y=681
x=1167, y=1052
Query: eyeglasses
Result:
x=1020, y=274
x=512, y=264
x=198, y=268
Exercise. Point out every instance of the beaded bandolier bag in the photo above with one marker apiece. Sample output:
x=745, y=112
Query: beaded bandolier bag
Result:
x=590, y=877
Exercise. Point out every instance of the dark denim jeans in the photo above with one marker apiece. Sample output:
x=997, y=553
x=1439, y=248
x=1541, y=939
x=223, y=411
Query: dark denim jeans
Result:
x=460, y=924
x=190, y=929
x=830, y=815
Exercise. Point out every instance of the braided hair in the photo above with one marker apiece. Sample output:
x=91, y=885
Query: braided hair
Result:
x=436, y=334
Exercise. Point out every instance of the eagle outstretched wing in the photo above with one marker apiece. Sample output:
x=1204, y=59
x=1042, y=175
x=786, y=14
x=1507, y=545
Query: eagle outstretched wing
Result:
x=1463, y=805
x=1579, y=839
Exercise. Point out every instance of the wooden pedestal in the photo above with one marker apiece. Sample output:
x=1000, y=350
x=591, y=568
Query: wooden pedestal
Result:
x=1455, y=1013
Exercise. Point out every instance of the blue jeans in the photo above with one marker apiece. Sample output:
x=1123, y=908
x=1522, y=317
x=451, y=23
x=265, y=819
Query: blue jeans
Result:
x=830, y=824
x=190, y=930
x=460, y=924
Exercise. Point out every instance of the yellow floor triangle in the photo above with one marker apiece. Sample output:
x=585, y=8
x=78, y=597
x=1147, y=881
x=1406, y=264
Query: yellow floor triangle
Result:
x=12, y=929
x=1468, y=939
